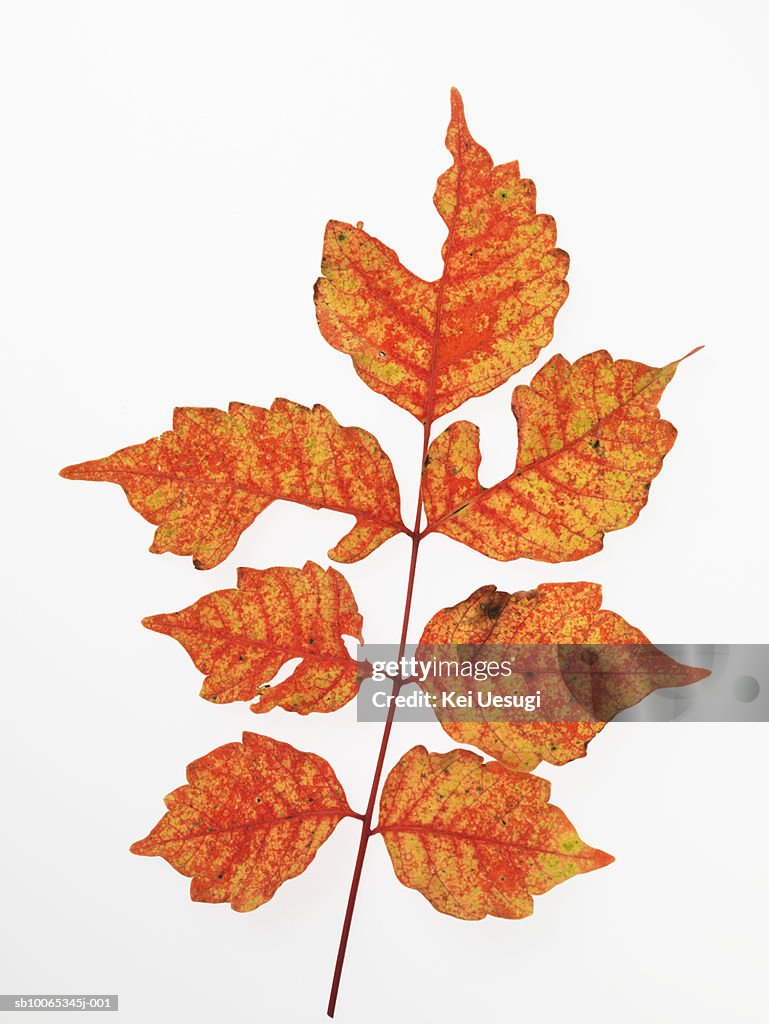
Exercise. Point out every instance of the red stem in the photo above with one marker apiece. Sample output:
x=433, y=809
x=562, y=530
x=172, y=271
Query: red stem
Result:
x=366, y=831
x=416, y=538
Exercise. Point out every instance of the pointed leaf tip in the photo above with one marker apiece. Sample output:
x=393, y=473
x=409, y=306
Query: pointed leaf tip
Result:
x=693, y=352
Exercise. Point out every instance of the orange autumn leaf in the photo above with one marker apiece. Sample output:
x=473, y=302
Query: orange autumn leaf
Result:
x=553, y=614
x=252, y=815
x=474, y=838
x=240, y=638
x=204, y=482
x=430, y=345
x=477, y=839
x=590, y=441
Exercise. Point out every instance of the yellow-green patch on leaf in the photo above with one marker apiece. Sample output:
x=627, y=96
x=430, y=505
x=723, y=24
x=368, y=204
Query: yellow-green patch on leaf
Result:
x=477, y=839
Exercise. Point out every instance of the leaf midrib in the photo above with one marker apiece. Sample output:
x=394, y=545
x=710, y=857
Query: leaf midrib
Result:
x=339, y=815
x=518, y=473
x=465, y=837
x=231, y=485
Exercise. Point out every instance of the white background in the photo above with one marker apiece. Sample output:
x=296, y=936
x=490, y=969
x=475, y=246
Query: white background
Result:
x=167, y=170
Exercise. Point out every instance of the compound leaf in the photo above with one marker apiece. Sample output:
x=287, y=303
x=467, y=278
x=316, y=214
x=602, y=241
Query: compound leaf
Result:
x=252, y=815
x=240, y=638
x=475, y=838
x=206, y=480
x=429, y=346
x=590, y=441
